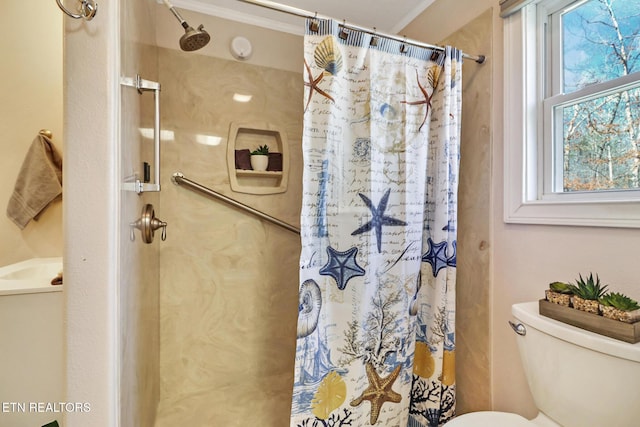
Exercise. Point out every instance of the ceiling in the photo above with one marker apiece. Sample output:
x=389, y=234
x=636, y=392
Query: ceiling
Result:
x=387, y=16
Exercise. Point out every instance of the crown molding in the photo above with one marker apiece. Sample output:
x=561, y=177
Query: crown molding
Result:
x=238, y=16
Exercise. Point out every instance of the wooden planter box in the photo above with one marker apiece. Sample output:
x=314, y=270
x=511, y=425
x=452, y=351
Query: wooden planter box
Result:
x=629, y=332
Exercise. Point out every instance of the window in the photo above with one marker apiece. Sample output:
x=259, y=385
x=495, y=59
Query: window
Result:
x=572, y=116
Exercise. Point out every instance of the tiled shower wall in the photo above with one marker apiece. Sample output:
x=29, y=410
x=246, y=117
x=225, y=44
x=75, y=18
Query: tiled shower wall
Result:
x=229, y=281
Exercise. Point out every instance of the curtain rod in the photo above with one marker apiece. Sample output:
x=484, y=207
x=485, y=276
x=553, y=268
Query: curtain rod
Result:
x=306, y=14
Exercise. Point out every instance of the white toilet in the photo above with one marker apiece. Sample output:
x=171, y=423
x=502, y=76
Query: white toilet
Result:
x=577, y=378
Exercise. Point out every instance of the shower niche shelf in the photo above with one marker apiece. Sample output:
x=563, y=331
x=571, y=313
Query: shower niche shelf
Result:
x=244, y=136
x=262, y=174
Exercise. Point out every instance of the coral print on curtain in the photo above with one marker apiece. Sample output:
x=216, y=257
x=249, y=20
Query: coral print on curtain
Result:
x=376, y=341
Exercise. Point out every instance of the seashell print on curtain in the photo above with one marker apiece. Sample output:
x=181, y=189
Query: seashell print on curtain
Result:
x=376, y=326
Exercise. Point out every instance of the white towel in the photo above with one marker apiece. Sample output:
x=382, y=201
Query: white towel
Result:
x=38, y=184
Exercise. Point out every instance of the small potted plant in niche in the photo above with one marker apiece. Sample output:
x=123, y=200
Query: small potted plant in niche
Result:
x=586, y=294
x=619, y=307
x=559, y=293
x=260, y=158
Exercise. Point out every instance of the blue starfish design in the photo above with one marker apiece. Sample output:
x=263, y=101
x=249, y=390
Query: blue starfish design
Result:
x=452, y=260
x=342, y=266
x=436, y=255
x=378, y=218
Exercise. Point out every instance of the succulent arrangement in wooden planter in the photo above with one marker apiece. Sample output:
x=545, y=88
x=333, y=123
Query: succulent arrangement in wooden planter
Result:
x=619, y=307
x=586, y=294
x=559, y=293
x=588, y=305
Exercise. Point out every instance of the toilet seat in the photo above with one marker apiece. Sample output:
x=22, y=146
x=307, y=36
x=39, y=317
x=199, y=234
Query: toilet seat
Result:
x=489, y=419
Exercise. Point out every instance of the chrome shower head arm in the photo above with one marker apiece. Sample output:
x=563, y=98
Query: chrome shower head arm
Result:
x=175, y=13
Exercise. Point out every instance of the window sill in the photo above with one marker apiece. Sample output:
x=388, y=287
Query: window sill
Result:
x=578, y=213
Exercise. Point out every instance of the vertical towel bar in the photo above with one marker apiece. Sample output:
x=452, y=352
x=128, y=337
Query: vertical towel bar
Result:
x=145, y=86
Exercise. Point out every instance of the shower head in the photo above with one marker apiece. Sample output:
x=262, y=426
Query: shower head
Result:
x=192, y=39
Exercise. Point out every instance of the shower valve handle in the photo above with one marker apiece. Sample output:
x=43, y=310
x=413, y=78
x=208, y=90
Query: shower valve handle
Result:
x=148, y=224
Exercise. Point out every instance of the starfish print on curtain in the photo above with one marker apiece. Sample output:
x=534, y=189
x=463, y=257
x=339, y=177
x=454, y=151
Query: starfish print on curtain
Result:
x=342, y=266
x=378, y=392
x=378, y=218
x=432, y=77
x=438, y=257
x=328, y=57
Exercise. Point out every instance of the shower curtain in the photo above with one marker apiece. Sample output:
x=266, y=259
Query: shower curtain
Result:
x=375, y=335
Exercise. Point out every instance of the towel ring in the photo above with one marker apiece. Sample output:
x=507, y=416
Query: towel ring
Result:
x=46, y=132
x=87, y=9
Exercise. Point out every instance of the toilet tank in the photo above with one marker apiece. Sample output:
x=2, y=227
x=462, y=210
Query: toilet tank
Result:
x=579, y=378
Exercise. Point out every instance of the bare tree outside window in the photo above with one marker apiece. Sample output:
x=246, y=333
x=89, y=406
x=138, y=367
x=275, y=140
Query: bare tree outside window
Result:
x=601, y=132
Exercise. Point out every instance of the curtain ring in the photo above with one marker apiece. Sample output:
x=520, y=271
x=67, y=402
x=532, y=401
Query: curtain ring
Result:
x=403, y=47
x=314, y=25
x=374, y=38
x=343, y=34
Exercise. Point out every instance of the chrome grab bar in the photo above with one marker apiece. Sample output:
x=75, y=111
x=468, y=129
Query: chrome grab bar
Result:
x=518, y=328
x=179, y=179
x=145, y=86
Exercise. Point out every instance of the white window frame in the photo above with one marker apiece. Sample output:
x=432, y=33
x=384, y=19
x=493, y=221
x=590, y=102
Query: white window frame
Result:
x=528, y=196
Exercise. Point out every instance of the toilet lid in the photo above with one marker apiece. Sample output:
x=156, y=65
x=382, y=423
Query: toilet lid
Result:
x=489, y=419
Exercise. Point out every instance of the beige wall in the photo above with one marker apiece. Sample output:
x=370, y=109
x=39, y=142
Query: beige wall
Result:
x=30, y=100
x=229, y=281
x=31, y=88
